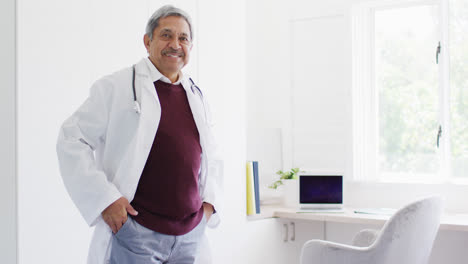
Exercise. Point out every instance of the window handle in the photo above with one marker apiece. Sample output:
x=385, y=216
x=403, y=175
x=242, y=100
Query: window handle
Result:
x=439, y=135
x=437, y=53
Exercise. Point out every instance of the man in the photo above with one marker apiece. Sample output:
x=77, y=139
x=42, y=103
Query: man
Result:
x=138, y=158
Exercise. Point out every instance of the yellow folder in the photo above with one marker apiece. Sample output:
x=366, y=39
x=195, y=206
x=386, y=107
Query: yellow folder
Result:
x=250, y=189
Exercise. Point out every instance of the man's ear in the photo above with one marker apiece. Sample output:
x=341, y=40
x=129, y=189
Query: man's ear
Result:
x=146, y=41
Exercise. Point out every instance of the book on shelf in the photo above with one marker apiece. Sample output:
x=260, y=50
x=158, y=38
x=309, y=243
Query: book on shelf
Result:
x=253, y=188
x=250, y=189
x=256, y=186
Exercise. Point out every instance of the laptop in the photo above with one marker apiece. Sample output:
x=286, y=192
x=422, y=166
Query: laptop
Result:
x=320, y=192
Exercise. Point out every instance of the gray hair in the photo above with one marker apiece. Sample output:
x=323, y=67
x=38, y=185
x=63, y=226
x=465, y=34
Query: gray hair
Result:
x=163, y=12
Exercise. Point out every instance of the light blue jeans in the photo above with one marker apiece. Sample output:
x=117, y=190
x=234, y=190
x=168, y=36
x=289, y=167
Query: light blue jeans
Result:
x=136, y=244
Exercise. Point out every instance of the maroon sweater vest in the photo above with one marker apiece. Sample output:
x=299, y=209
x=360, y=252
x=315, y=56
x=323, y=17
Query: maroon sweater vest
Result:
x=167, y=197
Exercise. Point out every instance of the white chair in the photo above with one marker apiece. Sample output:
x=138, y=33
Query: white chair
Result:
x=406, y=238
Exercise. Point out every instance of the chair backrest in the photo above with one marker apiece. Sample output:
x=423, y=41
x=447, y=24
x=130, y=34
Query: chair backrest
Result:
x=407, y=237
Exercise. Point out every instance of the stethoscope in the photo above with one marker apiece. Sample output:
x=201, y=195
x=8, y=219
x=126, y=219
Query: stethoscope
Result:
x=193, y=87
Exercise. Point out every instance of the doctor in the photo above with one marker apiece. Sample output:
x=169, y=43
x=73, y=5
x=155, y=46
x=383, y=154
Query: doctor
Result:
x=138, y=157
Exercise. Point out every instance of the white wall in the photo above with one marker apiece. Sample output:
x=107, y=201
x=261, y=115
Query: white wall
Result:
x=8, y=224
x=320, y=79
x=268, y=92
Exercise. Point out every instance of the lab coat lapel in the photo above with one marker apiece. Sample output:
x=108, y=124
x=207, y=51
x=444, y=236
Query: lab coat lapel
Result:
x=196, y=105
x=135, y=159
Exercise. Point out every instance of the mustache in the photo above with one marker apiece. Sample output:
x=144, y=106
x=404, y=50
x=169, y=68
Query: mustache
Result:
x=173, y=52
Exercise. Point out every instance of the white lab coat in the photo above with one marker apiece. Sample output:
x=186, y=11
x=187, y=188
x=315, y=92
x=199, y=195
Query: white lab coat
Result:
x=103, y=147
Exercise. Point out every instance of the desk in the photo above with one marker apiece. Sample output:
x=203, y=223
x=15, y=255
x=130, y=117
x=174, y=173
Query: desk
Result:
x=292, y=230
x=453, y=222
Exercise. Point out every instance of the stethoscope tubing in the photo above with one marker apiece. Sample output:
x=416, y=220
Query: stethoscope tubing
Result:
x=137, y=105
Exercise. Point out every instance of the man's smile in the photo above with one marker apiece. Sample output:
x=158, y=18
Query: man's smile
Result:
x=172, y=54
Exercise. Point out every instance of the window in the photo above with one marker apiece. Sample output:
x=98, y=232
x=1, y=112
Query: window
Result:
x=410, y=90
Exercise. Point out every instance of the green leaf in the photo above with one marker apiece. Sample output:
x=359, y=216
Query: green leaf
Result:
x=291, y=174
x=275, y=184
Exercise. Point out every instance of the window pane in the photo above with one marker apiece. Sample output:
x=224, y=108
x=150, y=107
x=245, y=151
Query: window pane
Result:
x=406, y=77
x=458, y=39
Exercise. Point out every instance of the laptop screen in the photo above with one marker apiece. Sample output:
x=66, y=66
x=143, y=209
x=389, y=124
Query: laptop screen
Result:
x=316, y=189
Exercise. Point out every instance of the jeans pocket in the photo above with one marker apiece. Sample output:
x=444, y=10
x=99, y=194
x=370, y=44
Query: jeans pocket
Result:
x=124, y=227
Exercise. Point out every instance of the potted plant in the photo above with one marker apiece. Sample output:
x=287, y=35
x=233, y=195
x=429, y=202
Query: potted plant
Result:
x=289, y=180
x=285, y=175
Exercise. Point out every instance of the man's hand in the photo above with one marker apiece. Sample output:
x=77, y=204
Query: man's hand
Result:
x=115, y=215
x=208, y=210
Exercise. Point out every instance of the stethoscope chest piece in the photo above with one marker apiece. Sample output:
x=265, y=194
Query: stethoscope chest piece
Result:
x=137, y=108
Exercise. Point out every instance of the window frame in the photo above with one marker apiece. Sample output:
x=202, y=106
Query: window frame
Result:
x=365, y=95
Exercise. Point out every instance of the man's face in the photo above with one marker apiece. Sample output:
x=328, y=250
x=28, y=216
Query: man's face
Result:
x=171, y=45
